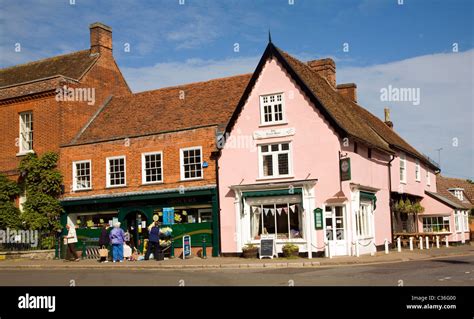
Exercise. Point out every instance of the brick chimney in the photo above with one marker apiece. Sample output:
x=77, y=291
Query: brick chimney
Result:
x=101, y=38
x=348, y=90
x=387, y=117
x=325, y=68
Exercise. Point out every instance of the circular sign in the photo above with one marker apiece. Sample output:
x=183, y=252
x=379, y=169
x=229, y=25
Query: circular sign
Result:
x=155, y=218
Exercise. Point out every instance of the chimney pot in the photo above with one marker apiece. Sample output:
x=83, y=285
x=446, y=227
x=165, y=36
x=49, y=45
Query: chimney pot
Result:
x=325, y=68
x=387, y=117
x=101, y=38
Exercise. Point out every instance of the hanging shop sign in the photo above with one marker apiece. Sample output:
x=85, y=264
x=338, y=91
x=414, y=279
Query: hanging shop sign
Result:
x=267, y=246
x=345, y=168
x=318, y=219
x=186, y=246
x=168, y=215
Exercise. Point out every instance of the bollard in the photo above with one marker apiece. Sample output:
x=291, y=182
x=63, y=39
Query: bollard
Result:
x=172, y=248
x=411, y=243
x=386, y=246
x=330, y=250
x=447, y=242
x=427, y=242
x=399, y=245
x=56, y=248
x=357, y=248
x=204, y=253
x=421, y=243
x=437, y=242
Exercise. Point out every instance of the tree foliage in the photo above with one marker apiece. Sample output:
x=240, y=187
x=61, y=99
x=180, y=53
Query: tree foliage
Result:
x=9, y=214
x=42, y=182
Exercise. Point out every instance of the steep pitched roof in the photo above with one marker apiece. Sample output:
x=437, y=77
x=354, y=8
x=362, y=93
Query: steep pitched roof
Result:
x=347, y=117
x=72, y=65
x=44, y=75
x=202, y=104
x=444, y=184
x=448, y=200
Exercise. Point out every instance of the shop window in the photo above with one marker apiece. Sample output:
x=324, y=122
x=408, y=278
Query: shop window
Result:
x=93, y=220
x=275, y=160
x=272, y=109
x=82, y=178
x=364, y=220
x=282, y=220
x=116, y=171
x=26, y=132
x=436, y=224
x=191, y=163
x=152, y=168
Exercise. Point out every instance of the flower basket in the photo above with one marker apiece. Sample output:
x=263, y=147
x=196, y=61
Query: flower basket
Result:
x=250, y=251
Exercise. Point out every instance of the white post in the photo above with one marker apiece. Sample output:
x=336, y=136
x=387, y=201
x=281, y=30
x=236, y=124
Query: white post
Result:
x=386, y=246
x=447, y=242
x=421, y=243
x=399, y=245
x=437, y=242
x=427, y=242
x=326, y=249
x=357, y=248
x=411, y=243
x=330, y=249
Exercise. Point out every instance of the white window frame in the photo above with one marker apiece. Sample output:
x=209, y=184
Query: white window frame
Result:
x=458, y=221
x=403, y=177
x=74, y=175
x=428, y=178
x=181, y=164
x=465, y=221
x=107, y=160
x=262, y=109
x=275, y=162
x=417, y=171
x=364, y=222
x=442, y=224
x=23, y=131
x=144, y=182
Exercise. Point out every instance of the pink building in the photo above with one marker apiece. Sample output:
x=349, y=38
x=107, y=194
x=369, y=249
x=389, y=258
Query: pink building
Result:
x=303, y=163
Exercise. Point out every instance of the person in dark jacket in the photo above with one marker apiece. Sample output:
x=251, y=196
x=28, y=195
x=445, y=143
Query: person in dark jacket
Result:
x=104, y=240
x=153, y=242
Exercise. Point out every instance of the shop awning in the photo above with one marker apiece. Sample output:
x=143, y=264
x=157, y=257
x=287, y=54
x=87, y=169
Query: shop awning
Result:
x=369, y=197
x=273, y=192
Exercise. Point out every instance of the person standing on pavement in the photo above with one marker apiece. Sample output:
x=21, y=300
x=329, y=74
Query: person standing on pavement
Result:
x=153, y=242
x=104, y=240
x=117, y=238
x=70, y=240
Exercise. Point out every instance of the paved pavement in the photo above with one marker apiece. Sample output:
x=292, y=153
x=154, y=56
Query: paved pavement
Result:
x=233, y=263
x=440, y=271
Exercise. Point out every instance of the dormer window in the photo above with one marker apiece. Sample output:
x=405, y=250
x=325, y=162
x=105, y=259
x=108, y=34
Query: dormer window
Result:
x=272, y=109
x=458, y=192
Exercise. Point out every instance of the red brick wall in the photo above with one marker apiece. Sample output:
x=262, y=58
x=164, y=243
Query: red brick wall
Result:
x=169, y=144
x=56, y=123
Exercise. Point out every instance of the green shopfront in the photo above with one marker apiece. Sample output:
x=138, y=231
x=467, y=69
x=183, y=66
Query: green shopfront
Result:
x=191, y=211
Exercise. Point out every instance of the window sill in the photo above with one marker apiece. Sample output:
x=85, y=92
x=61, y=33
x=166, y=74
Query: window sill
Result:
x=418, y=180
x=81, y=190
x=282, y=241
x=25, y=153
x=403, y=182
x=115, y=186
x=152, y=183
x=191, y=179
x=273, y=124
x=267, y=178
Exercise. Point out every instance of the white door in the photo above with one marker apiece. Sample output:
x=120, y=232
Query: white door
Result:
x=335, y=225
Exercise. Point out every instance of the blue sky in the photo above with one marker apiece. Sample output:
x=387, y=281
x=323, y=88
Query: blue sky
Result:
x=407, y=45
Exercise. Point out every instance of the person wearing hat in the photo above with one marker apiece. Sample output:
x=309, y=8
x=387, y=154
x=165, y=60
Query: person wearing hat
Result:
x=117, y=238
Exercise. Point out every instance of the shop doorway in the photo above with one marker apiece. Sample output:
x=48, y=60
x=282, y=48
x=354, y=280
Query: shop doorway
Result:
x=134, y=222
x=335, y=226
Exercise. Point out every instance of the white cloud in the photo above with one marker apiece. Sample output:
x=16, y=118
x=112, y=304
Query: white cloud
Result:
x=446, y=107
x=192, y=70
